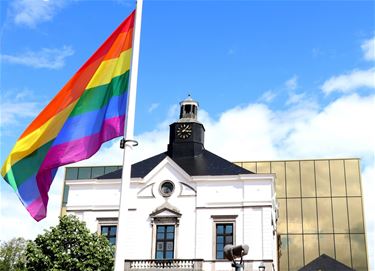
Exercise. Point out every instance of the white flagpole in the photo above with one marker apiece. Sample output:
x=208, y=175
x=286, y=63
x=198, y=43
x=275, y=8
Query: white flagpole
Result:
x=128, y=148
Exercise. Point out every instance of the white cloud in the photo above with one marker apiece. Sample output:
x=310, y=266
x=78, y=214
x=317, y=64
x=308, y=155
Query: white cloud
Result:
x=50, y=58
x=12, y=112
x=33, y=12
x=368, y=48
x=15, y=107
x=294, y=98
x=342, y=128
x=153, y=107
x=350, y=81
x=292, y=83
x=268, y=96
x=17, y=222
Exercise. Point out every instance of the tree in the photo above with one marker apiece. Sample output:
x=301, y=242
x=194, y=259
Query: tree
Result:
x=13, y=255
x=69, y=246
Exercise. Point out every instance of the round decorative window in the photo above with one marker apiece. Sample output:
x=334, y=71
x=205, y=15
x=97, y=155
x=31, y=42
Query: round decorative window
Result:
x=166, y=188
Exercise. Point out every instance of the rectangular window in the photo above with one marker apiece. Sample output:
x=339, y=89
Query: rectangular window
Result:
x=165, y=242
x=224, y=236
x=71, y=173
x=97, y=171
x=109, y=231
x=84, y=173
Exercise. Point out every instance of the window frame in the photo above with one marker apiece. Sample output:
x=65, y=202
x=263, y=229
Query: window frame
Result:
x=218, y=220
x=164, y=221
x=165, y=240
x=107, y=222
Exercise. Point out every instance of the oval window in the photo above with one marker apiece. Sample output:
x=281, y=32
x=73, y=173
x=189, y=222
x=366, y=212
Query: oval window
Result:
x=166, y=188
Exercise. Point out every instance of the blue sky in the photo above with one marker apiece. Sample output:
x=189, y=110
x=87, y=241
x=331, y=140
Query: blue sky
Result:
x=275, y=79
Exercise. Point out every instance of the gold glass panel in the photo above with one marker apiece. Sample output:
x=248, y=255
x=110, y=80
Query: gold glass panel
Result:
x=308, y=179
x=326, y=245
x=252, y=166
x=281, y=223
x=353, y=183
x=295, y=252
x=356, y=224
x=359, y=254
x=343, y=249
x=283, y=253
x=263, y=167
x=311, y=247
x=323, y=185
x=310, y=223
x=325, y=215
x=278, y=168
x=337, y=178
x=294, y=216
x=293, y=184
x=340, y=215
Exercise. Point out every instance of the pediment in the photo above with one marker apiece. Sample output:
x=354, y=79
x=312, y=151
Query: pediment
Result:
x=165, y=210
x=167, y=169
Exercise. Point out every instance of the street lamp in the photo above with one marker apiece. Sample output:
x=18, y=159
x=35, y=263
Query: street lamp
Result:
x=261, y=267
x=232, y=252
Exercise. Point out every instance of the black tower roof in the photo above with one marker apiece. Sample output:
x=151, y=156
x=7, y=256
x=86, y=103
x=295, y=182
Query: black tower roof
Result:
x=205, y=163
x=186, y=149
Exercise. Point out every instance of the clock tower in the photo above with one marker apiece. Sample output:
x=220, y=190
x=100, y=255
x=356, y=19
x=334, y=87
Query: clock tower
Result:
x=186, y=136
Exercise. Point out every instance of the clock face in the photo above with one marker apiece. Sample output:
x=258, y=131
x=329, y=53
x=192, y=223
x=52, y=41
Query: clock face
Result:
x=184, y=131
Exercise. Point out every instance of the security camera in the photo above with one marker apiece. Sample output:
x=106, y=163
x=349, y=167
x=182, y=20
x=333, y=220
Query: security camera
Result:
x=232, y=252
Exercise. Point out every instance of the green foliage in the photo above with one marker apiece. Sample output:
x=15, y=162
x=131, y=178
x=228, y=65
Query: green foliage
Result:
x=70, y=246
x=12, y=255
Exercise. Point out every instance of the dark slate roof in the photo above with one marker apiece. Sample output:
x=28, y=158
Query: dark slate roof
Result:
x=324, y=262
x=203, y=164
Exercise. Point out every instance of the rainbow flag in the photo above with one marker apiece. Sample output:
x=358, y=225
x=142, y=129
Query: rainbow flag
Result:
x=88, y=111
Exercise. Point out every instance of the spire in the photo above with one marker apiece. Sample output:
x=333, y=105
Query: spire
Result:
x=188, y=110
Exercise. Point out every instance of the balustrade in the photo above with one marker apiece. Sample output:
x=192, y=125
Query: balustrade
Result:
x=156, y=265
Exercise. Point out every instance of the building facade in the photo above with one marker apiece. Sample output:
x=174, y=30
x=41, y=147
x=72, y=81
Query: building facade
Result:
x=185, y=205
x=319, y=208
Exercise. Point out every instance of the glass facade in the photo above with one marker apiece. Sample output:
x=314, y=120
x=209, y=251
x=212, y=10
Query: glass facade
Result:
x=84, y=173
x=320, y=211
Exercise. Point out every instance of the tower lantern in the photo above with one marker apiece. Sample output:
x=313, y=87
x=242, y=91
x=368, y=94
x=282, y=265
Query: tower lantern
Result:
x=188, y=110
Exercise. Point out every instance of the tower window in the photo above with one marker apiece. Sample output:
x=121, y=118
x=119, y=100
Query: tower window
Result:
x=188, y=108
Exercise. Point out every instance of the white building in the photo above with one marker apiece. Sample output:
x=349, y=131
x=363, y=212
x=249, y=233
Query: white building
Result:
x=186, y=204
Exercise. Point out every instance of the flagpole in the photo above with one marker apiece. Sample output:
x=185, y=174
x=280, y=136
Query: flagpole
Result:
x=128, y=148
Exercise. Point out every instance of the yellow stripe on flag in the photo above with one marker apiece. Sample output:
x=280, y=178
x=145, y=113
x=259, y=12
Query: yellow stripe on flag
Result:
x=37, y=138
x=111, y=68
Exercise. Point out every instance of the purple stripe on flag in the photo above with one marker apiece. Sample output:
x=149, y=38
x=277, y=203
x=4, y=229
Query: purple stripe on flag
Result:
x=37, y=209
x=83, y=148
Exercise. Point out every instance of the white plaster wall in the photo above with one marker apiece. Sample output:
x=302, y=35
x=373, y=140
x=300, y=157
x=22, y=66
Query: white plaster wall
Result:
x=250, y=199
x=93, y=194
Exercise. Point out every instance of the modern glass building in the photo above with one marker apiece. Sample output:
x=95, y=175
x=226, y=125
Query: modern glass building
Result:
x=320, y=210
